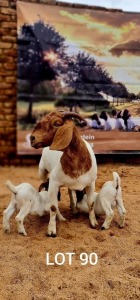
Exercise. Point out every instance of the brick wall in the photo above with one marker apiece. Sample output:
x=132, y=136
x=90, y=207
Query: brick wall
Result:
x=8, y=57
x=8, y=75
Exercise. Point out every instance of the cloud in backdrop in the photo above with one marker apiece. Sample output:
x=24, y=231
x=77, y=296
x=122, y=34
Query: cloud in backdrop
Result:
x=111, y=37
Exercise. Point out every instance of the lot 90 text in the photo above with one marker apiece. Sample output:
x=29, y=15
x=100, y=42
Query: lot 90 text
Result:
x=68, y=257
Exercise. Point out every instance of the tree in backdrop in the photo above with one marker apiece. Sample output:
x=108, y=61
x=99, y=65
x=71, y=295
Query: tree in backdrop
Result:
x=39, y=45
x=132, y=96
x=119, y=91
x=42, y=56
x=88, y=79
x=137, y=97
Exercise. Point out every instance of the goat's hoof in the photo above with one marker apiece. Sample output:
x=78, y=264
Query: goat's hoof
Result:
x=75, y=211
x=53, y=235
x=51, y=231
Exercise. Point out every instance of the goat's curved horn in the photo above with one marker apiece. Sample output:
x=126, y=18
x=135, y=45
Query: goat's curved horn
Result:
x=68, y=114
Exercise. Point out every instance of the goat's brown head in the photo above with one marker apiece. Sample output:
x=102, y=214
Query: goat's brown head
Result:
x=54, y=130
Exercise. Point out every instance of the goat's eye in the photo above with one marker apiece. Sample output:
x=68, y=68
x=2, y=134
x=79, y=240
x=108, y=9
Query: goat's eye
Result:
x=56, y=124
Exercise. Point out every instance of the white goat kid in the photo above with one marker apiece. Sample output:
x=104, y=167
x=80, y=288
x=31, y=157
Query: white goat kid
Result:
x=76, y=168
x=27, y=200
x=109, y=196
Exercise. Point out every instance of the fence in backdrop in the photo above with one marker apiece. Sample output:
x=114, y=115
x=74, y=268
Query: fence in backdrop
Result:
x=82, y=60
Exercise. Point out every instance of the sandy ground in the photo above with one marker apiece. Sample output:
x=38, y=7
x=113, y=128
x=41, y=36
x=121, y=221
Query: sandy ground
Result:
x=24, y=274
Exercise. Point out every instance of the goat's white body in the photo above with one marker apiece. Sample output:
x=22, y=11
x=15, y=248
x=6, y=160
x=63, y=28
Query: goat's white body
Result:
x=50, y=162
x=109, y=196
x=26, y=200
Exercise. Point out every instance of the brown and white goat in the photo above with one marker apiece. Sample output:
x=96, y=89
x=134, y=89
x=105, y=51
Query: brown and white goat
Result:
x=76, y=167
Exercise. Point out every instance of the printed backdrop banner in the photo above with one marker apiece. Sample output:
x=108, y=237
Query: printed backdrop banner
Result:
x=82, y=60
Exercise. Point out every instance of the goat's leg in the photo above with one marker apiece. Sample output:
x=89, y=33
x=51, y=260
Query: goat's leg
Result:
x=24, y=211
x=7, y=214
x=90, y=192
x=43, y=173
x=75, y=196
x=73, y=201
x=52, y=195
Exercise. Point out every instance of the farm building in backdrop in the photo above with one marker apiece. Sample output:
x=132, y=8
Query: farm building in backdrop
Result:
x=83, y=60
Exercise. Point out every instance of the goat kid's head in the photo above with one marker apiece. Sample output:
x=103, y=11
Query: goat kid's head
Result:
x=54, y=130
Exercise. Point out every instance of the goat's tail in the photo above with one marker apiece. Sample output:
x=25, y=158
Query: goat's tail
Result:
x=116, y=180
x=11, y=187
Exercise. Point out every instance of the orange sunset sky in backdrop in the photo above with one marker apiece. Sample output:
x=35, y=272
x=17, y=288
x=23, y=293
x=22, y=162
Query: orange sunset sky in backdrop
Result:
x=97, y=32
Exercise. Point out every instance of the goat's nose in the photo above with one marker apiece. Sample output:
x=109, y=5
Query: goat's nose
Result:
x=32, y=138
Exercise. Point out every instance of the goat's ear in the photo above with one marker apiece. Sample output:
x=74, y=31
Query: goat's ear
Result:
x=63, y=136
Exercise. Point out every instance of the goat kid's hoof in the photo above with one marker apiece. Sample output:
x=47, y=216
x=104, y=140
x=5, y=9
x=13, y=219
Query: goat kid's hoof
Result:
x=53, y=235
x=22, y=233
x=62, y=219
x=6, y=230
x=122, y=223
x=121, y=226
x=93, y=226
x=93, y=223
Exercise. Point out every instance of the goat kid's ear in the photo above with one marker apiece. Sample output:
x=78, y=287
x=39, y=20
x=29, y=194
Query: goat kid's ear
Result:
x=63, y=136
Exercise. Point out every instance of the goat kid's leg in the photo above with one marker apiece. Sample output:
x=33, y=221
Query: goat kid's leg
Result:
x=24, y=211
x=7, y=214
x=59, y=216
x=90, y=192
x=108, y=219
x=122, y=212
